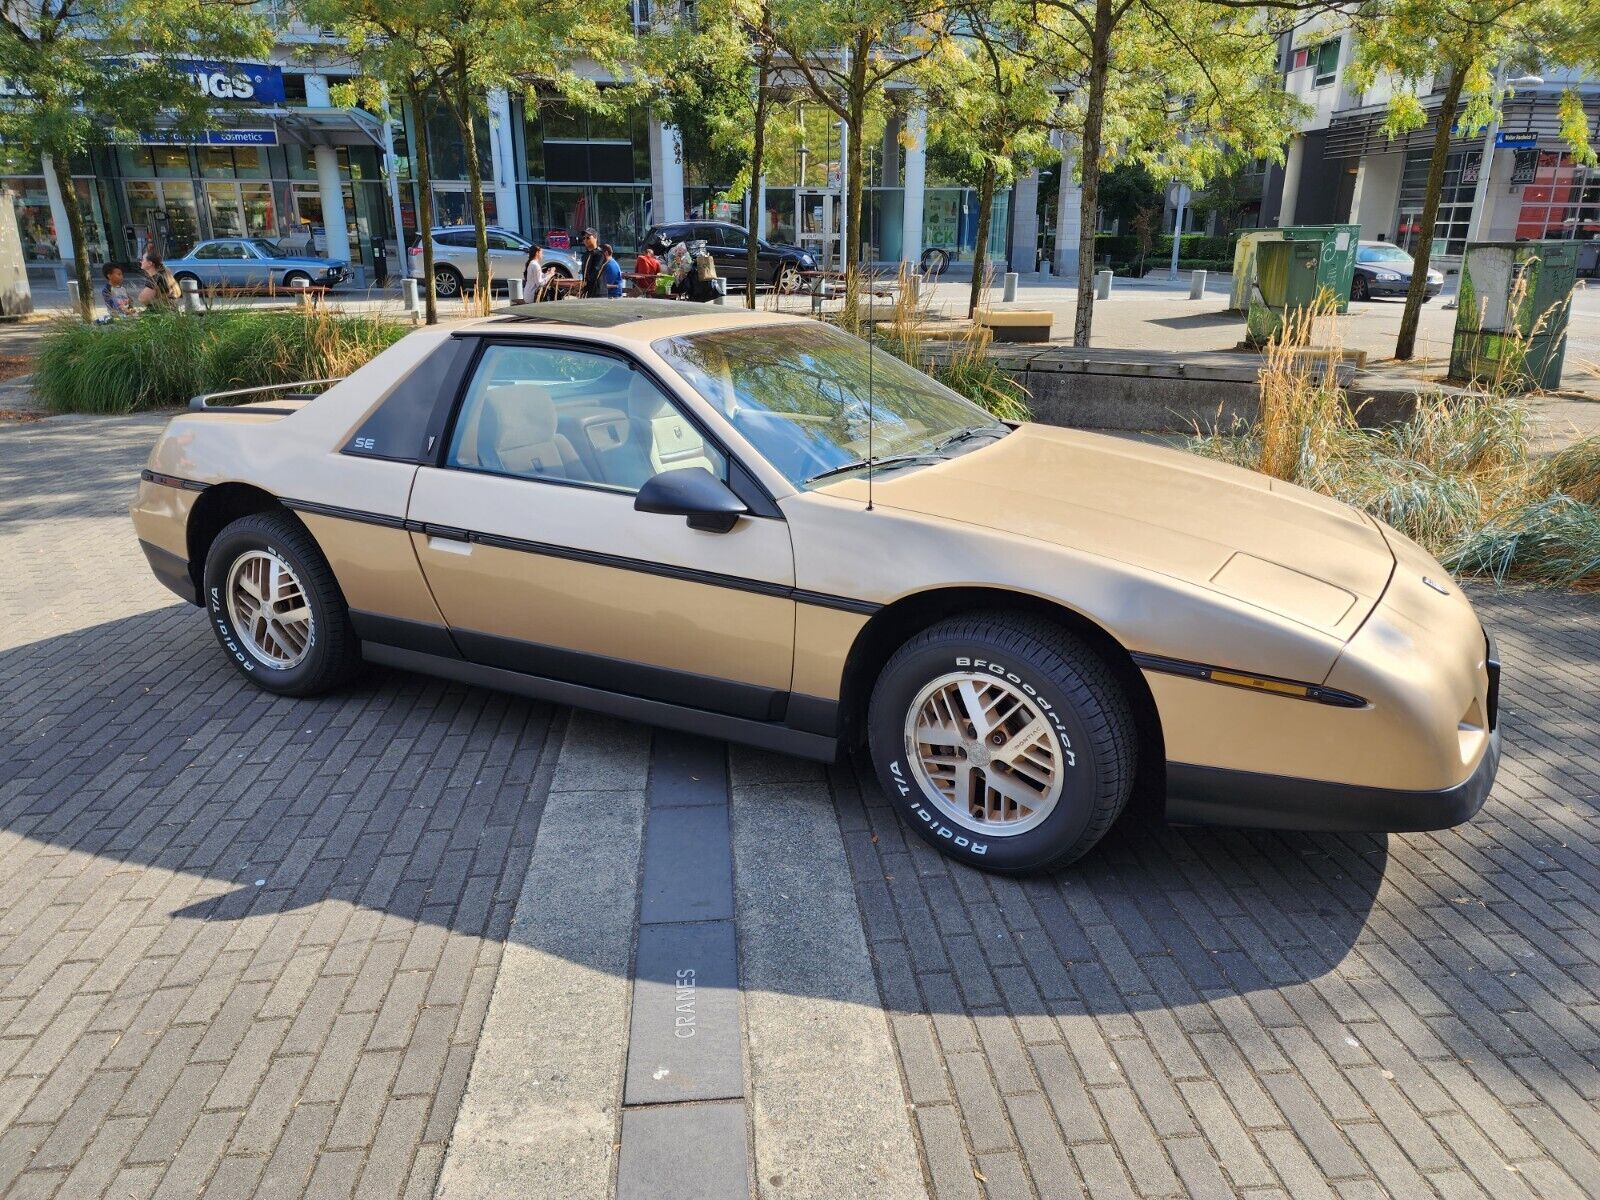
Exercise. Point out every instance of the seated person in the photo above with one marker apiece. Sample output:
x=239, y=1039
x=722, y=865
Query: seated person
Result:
x=114, y=295
x=647, y=267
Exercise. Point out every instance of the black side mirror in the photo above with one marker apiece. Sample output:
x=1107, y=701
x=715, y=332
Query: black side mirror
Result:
x=692, y=492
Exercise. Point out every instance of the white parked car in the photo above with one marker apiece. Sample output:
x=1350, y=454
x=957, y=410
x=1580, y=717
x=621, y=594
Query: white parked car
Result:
x=455, y=259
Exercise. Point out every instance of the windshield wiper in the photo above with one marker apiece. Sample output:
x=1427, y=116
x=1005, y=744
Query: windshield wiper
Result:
x=877, y=464
x=963, y=435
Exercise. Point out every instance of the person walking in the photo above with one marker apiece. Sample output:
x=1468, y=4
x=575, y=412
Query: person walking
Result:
x=535, y=276
x=160, y=290
x=594, y=262
x=611, y=272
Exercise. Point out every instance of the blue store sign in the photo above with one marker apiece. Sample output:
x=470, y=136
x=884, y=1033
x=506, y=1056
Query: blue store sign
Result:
x=1516, y=141
x=212, y=137
x=258, y=83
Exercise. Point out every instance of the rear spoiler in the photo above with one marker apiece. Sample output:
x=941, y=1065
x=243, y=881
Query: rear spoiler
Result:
x=203, y=402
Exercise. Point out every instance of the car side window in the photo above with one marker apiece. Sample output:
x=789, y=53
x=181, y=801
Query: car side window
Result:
x=457, y=238
x=398, y=428
x=569, y=415
x=207, y=252
x=732, y=238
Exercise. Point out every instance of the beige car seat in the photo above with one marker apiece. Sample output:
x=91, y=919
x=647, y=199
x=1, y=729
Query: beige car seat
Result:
x=514, y=432
x=665, y=436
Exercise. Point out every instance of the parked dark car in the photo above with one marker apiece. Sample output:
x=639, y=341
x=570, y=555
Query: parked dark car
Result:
x=1383, y=269
x=777, y=265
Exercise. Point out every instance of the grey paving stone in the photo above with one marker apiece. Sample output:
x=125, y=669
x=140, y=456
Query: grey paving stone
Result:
x=684, y=1036
x=686, y=770
x=688, y=866
x=684, y=1150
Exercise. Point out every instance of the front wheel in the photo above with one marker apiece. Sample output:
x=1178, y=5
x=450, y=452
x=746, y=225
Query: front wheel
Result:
x=277, y=609
x=447, y=283
x=1358, y=288
x=1005, y=741
x=788, y=279
x=296, y=279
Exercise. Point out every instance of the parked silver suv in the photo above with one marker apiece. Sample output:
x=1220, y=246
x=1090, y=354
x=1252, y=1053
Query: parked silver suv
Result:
x=455, y=259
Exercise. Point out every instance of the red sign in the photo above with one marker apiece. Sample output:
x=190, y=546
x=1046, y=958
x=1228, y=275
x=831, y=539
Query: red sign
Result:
x=558, y=241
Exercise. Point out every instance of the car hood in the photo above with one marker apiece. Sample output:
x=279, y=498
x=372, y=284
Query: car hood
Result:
x=1271, y=544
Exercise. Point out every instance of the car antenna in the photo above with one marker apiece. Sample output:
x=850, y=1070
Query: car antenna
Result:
x=872, y=330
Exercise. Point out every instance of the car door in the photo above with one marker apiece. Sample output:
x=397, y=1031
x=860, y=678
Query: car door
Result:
x=234, y=261
x=527, y=534
x=507, y=257
x=729, y=247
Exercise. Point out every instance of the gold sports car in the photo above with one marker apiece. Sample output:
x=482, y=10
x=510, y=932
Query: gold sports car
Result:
x=745, y=525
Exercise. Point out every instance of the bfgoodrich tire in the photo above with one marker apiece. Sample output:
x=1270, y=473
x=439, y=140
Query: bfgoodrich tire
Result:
x=1005, y=741
x=276, y=608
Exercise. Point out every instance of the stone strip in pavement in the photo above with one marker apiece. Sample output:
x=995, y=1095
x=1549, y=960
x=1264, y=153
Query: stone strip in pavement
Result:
x=829, y=1110
x=540, y=1113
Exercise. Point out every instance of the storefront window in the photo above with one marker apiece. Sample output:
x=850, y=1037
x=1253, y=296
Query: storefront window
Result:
x=163, y=213
x=1455, y=201
x=1563, y=201
x=33, y=219
x=171, y=161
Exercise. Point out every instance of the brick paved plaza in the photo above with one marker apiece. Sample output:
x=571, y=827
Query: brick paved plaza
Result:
x=379, y=944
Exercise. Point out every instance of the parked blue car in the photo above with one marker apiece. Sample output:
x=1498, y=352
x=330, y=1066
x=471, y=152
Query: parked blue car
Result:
x=254, y=263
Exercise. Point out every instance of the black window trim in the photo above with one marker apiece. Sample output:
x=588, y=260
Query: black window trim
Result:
x=441, y=428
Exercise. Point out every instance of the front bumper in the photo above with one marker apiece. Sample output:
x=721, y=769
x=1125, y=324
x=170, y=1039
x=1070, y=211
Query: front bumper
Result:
x=1216, y=796
x=1402, y=289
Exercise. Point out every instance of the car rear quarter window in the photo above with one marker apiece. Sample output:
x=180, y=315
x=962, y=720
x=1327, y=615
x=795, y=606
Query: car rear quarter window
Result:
x=398, y=428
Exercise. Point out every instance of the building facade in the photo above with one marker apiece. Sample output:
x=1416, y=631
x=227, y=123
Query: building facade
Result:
x=287, y=164
x=1514, y=181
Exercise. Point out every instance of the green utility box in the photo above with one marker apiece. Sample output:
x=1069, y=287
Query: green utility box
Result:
x=1511, y=316
x=1336, y=260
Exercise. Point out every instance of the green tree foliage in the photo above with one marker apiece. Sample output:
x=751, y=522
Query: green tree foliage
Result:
x=845, y=51
x=454, y=51
x=1187, y=89
x=990, y=108
x=86, y=72
x=1467, y=48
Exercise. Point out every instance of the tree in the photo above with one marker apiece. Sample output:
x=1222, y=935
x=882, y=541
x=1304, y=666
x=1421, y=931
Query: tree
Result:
x=1186, y=88
x=845, y=51
x=1470, y=47
x=712, y=79
x=88, y=72
x=459, y=49
x=381, y=44
x=990, y=109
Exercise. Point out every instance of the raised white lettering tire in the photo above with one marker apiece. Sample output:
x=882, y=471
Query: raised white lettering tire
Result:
x=276, y=608
x=1004, y=741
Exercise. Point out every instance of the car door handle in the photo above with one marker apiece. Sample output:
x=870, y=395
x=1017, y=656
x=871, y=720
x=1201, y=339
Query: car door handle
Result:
x=448, y=539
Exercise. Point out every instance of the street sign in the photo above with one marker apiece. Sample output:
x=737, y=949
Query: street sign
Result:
x=1515, y=141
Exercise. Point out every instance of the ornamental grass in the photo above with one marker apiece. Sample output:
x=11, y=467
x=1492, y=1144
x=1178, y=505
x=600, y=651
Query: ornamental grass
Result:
x=161, y=359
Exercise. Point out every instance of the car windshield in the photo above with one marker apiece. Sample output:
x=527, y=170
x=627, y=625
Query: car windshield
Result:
x=1383, y=254
x=268, y=248
x=801, y=395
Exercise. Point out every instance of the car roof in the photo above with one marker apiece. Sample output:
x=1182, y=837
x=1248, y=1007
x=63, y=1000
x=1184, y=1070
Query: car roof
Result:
x=635, y=320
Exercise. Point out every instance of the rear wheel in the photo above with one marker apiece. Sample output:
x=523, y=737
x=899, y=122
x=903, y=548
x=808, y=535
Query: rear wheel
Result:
x=1005, y=741
x=277, y=609
x=189, y=275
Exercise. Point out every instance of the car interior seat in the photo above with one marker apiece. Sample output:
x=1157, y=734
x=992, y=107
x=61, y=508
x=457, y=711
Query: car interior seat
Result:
x=667, y=437
x=514, y=432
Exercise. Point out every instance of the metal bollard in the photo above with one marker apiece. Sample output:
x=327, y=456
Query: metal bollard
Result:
x=191, y=295
x=1044, y=268
x=1197, y=285
x=1102, y=286
x=514, y=290
x=410, y=291
x=72, y=296
x=1011, y=288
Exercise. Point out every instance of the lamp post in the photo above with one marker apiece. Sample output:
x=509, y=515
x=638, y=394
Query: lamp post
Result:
x=1480, y=192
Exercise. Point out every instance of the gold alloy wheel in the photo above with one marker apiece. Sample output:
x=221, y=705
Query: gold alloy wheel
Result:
x=268, y=608
x=985, y=753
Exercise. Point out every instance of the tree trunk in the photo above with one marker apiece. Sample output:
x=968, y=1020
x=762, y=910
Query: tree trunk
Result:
x=62, y=166
x=423, y=170
x=980, y=253
x=469, y=144
x=855, y=167
x=1089, y=155
x=758, y=219
x=1405, y=345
